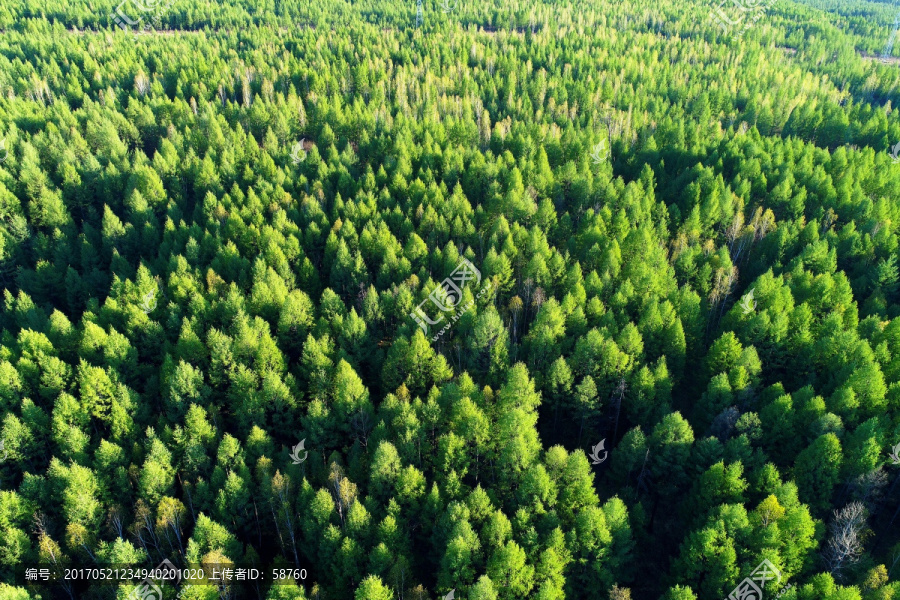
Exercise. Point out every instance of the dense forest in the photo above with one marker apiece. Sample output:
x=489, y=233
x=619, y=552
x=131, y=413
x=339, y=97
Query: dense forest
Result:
x=500, y=300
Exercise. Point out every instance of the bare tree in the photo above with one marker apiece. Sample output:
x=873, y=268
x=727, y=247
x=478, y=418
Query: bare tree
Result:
x=845, y=544
x=170, y=516
x=618, y=395
x=245, y=88
x=539, y=297
x=143, y=529
x=723, y=425
x=361, y=424
x=342, y=489
x=617, y=593
x=734, y=231
x=49, y=551
x=868, y=488
x=280, y=503
x=114, y=521
x=515, y=309
x=722, y=288
x=141, y=83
